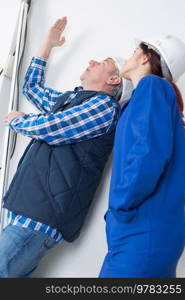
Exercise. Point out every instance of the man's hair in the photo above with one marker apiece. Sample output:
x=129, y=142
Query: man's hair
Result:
x=117, y=89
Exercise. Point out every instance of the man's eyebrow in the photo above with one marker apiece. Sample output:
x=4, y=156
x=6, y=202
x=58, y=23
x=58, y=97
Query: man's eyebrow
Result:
x=108, y=58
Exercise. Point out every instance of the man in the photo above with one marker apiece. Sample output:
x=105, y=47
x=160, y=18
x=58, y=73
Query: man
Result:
x=59, y=172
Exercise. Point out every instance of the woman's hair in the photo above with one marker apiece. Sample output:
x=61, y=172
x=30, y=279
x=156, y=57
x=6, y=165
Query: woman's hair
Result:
x=156, y=69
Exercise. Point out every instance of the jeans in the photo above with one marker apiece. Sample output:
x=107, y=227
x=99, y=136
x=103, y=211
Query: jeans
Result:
x=21, y=249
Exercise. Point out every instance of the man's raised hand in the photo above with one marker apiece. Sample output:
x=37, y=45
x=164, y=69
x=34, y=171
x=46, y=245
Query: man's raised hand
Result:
x=54, y=38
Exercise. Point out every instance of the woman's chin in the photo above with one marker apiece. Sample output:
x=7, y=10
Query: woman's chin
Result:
x=125, y=76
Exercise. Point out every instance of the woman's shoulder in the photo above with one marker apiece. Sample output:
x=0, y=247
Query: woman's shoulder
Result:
x=152, y=78
x=155, y=81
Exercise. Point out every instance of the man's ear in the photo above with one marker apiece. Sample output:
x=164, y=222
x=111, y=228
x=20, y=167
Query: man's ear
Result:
x=113, y=80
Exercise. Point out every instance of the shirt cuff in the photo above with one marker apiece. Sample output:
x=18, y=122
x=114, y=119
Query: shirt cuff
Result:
x=38, y=62
x=15, y=121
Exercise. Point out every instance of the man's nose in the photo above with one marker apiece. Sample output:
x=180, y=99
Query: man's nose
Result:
x=93, y=63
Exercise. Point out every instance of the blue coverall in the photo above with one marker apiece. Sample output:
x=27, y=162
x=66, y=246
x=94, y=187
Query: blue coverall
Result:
x=145, y=221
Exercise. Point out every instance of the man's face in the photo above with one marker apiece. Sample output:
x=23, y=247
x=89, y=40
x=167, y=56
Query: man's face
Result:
x=99, y=72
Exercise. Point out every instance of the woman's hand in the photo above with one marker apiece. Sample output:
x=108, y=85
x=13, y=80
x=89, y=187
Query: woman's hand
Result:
x=54, y=38
x=10, y=116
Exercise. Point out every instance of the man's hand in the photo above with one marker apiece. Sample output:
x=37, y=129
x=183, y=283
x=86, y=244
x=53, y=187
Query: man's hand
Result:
x=10, y=116
x=54, y=38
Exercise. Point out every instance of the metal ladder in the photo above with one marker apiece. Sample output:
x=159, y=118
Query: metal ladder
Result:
x=12, y=70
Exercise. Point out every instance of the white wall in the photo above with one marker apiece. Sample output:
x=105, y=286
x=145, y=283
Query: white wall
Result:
x=96, y=29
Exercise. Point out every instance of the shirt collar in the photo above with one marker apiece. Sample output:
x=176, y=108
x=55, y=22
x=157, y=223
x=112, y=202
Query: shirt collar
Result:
x=78, y=89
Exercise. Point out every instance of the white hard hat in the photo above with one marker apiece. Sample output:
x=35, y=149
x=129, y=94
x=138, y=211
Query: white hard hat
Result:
x=172, y=52
x=127, y=87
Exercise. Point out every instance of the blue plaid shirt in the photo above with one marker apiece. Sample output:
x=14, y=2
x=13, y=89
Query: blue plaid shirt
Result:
x=26, y=222
x=90, y=119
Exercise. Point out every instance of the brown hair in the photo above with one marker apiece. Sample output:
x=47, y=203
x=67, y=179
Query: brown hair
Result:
x=156, y=69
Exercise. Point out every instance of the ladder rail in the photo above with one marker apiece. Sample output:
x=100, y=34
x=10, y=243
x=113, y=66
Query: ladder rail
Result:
x=4, y=176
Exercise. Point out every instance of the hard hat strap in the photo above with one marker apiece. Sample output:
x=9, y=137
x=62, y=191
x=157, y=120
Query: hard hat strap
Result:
x=165, y=70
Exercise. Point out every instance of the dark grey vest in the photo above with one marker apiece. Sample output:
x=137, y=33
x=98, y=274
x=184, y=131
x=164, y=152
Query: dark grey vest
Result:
x=55, y=185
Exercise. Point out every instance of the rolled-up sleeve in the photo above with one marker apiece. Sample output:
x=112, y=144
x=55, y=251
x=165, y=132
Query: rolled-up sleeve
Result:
x=42, y=97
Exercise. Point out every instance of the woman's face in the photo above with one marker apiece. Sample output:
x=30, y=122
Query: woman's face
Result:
x=133, y=63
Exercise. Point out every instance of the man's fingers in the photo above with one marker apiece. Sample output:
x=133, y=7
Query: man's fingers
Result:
x=62, y=27
x=56, y=24
x=5, y=120
x=62, y=41
x=63, y=23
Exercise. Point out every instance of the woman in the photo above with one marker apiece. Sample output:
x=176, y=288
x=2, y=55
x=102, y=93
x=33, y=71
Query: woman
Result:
x=145, y=222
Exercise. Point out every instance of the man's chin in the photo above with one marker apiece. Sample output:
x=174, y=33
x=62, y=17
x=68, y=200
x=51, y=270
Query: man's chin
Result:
x=82, y=77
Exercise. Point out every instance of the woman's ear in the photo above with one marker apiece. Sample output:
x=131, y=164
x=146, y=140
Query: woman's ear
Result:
x=114, y=80
x=145, y=58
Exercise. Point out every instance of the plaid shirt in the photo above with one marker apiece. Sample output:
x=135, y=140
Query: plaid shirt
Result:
x=26, y=222
x=90, y=119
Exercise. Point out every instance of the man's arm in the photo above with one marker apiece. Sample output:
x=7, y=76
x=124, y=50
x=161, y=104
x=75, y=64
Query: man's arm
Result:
x=44, y=98
x=88, y=120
